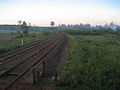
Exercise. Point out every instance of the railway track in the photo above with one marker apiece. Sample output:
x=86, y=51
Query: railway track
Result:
x=7, y=66
x=23, y=66
x=26, y=54
x=21, y=50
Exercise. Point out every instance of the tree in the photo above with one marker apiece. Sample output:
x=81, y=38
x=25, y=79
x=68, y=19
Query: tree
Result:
x=24, y=28
x=19, y=26
x=19, y=22
x=29, y=24
x=52, y=23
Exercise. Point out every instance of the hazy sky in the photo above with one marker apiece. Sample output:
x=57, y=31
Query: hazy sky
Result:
x=41, y=12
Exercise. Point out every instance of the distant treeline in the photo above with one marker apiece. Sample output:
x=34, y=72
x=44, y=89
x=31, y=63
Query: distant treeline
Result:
x=112, y=26
x=16, y=27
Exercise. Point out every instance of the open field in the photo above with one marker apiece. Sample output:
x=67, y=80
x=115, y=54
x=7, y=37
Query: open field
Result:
x=10, y=40
x=92, y=62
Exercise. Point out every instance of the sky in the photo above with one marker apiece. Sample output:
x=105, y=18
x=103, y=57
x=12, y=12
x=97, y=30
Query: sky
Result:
x=42, y=12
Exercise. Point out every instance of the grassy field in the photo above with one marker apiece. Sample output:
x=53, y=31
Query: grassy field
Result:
x=10, y=40
x=92, y=62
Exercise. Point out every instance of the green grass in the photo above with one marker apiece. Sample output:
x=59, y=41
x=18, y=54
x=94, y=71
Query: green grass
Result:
x=10, y=40
x=92, y=63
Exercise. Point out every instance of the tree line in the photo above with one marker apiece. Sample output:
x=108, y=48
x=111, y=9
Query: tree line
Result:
x=112, y=26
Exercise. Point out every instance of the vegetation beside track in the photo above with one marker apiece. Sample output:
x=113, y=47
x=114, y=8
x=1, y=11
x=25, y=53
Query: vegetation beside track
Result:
x=92, y=61
x=10, y=40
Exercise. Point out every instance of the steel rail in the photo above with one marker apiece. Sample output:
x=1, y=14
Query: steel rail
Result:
x=5, y=72
x=38, y=61
x=26, y=48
